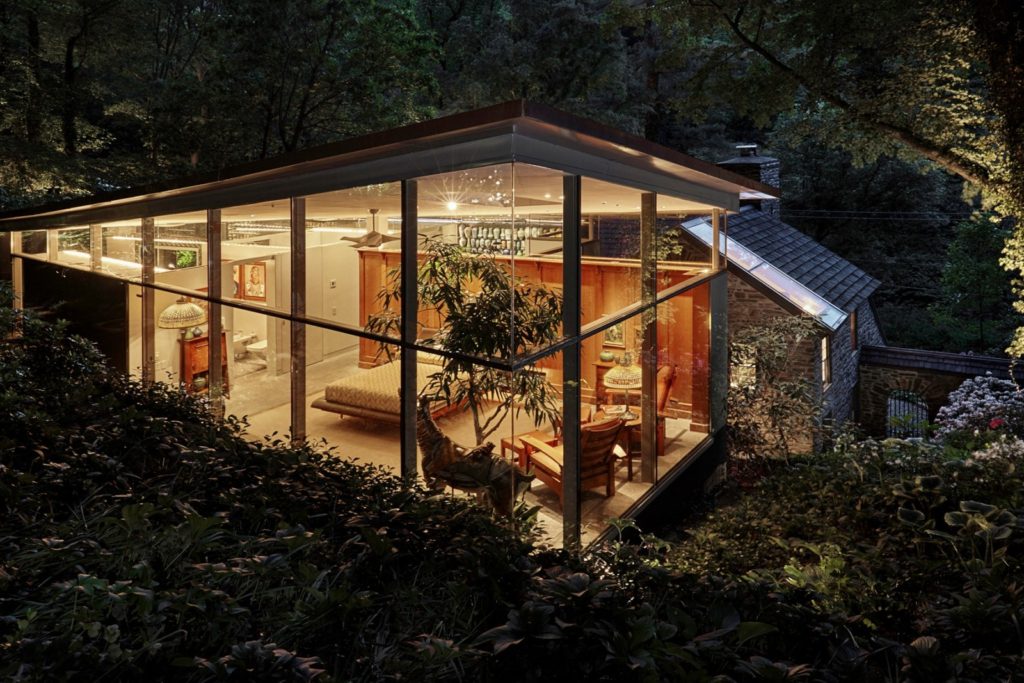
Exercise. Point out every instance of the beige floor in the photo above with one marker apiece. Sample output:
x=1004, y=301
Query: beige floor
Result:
x=264, y=399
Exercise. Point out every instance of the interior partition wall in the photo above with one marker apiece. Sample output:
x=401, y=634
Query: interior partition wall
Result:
x=291, y=300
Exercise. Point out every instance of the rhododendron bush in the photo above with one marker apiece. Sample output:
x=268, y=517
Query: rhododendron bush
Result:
x=981, y=410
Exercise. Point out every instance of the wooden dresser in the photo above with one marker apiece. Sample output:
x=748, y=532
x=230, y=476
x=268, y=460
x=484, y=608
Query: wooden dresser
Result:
x=195, y=363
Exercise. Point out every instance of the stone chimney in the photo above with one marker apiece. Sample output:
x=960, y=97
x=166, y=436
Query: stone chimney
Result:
x=762, y=169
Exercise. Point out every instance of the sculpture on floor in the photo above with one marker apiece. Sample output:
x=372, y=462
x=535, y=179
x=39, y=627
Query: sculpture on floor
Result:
x=495, y=481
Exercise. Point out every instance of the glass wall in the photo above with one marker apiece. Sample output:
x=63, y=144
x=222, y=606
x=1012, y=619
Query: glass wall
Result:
x=610, y=277
x=74, y=247
x=30, y=243
x=255, y=385
x=121, y=249
x=353, y=260
x=256, y=254
x=501, y=228
x=466, y=245
x=490, y=295
x=180, y=251
x=352, y=408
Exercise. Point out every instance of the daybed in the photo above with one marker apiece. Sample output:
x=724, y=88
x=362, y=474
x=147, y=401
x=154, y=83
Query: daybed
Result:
x=373, y=393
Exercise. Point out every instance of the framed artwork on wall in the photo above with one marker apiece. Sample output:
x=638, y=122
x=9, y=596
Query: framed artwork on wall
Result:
x=615, y=336
x=254, y=281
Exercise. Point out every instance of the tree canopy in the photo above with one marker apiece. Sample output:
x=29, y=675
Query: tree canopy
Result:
x=100, y=94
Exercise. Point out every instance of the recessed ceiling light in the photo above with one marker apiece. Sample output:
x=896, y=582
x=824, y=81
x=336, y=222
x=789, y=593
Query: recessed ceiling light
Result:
x=452, y=206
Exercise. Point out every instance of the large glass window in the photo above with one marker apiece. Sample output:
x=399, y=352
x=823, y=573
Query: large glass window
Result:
x=30, y=243
x=465, y=276
x=74, y=247
x=353, y=408
x=256, y=254
x=180, y=251
x=257, y=385
x=678, y=254
x=353, y=262
x=610, y=277
x=494, y=234
x=121, y=249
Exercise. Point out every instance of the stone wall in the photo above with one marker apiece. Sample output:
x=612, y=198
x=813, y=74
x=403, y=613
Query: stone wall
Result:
x=749, y=307
x=868, y=331
x=840, y=400
x=837, y=398
x=932, y=375
x=878, y=382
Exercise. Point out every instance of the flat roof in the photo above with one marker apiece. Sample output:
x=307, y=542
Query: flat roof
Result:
x=517, y=130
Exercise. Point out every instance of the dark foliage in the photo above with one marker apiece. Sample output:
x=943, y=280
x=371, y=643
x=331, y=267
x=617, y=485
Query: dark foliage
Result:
x=141, y=539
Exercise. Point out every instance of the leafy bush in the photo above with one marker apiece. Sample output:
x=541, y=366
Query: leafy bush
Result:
x=770, y=408
x=141, y=539
x=980, y=410
x=910, y=544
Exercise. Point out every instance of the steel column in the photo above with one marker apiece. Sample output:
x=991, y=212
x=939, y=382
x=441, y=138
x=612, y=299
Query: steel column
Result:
x=410, y=266
x=148, y=253
x=649, y=344
x=216, y=329
x=297, y=327
x=96, y=247
x=571, y=255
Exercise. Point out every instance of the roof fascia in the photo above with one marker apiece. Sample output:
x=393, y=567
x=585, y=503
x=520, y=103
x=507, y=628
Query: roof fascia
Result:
x=545, y=145
x=485, y=146
x=515, y=130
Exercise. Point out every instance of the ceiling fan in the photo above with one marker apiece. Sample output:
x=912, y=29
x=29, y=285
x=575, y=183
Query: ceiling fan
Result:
x=372, y=238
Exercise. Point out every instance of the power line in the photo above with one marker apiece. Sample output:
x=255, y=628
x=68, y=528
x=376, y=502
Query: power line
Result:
x=852, y=215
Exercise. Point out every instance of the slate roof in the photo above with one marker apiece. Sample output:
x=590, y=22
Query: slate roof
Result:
x=824, y=272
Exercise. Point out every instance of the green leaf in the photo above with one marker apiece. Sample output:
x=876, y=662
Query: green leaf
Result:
x=956, y=518
x=749, y=630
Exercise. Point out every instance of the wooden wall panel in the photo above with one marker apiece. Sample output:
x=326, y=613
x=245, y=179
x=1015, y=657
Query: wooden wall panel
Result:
x=605, y=286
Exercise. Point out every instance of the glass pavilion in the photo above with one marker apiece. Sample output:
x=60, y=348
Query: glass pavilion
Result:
x=297, y=261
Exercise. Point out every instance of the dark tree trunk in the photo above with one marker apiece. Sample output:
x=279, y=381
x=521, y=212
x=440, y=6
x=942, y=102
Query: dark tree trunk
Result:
x=33, y=111
x=653, y=122
x=69, y=105
x=999, y=25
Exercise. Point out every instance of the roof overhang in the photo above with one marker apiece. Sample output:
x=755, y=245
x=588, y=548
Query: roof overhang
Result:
x=514, y=131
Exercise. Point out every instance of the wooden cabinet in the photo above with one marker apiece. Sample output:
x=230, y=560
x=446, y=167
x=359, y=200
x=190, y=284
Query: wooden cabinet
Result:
x=195, y=363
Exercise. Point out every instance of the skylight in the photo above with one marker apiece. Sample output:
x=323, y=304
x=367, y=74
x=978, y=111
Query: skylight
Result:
x=788, y=288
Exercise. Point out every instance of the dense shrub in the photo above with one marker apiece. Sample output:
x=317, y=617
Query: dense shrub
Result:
x=771, y=408
x=980, y=410
x=141, y=539
x=913, y=545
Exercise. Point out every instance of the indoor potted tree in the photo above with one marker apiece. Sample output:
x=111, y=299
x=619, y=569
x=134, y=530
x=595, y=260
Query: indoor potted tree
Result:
x=475, y=297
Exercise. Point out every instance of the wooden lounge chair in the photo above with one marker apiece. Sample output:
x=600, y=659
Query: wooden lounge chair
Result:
x=597, y=458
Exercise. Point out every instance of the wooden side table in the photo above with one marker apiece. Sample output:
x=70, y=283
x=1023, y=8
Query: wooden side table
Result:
x=516, y=445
